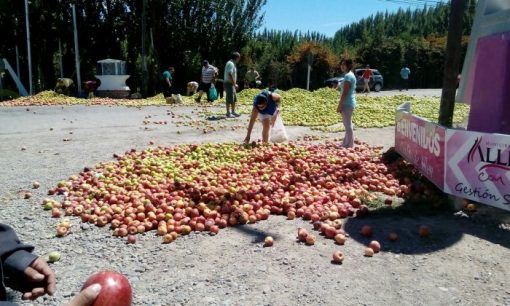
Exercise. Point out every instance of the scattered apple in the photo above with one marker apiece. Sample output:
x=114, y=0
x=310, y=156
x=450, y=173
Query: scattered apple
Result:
x=424, y=231
x=392, y=236
x=167, y=238
x=375, y=245
x=310, y=239
x=131, y=239
x=338, y=257
x=268, y=241
x=54, y=256
x=366, y=231
x=340, y=239
x=369, y=252
x=62, y=231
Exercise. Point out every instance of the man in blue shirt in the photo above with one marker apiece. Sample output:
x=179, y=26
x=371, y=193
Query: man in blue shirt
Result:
x=265, y=106
x=404, y=76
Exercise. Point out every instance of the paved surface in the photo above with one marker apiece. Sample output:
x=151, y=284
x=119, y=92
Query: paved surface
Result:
x=467, y=262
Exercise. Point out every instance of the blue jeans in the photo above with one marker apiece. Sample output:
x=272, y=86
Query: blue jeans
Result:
x=348, y=141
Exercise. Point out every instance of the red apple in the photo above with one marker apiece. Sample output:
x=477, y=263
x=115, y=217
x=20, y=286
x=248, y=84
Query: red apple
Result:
x=115, y=289
x=338, y=257
x=375, y=245
x=393, y=236
x=366, y=231
x=131, y=239
x=424, y=231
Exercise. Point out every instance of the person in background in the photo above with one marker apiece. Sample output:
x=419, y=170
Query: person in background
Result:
x=266, y=106
x=367, y=75
x=25, y=272
x=166, y=84
x=347, y=101
x=251, y=78
x=230, y=84
x=404, y=77
x=209, y=73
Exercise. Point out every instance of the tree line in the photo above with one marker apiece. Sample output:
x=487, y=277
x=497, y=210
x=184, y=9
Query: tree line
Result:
x=182, y=33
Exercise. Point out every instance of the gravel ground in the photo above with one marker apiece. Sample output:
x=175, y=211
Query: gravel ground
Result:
x=465, y=262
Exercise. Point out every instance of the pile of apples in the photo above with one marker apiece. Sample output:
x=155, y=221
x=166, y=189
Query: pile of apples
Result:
x=181, y=189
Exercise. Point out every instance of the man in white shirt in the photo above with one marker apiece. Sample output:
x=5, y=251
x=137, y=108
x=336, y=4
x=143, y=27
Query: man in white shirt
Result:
x=209, y=73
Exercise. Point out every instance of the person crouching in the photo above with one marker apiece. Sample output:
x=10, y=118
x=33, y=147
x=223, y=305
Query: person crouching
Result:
x=266, y=105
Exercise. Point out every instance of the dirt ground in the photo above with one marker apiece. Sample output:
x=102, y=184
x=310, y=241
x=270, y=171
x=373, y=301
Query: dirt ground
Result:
x=466, y=261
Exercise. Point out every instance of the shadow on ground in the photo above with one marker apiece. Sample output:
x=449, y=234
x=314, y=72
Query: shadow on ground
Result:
x=258, y=235
x=446, y=229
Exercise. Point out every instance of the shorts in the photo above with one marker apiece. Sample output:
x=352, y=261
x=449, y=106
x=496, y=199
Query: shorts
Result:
x=230, y=93
x=263, y=117
x=204, y=87
x=167, y=92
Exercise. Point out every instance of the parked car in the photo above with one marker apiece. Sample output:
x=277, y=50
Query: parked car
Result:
x=376, y=82
x=333, y=82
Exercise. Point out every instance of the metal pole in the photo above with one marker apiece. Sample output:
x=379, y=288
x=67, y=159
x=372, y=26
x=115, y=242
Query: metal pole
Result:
x=16, y=46
x=452, y=63
x=17, y=62
x=76, y=52
x=28, y=49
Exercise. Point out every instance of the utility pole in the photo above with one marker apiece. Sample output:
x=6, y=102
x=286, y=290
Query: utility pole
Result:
x=76, y=52
x=16, y=46
x=452, y=62
x=144, y=56
x=28, y=49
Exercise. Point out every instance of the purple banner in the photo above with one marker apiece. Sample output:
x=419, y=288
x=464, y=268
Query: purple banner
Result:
x=422, y=143
x=478, y=167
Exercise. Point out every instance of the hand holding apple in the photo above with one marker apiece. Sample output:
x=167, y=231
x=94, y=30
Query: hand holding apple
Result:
x=86, y=297
x=115, y=289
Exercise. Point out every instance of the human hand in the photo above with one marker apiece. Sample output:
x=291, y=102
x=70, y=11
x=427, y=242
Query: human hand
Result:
x=247, y=140
x=43, y=278
x=339, y=109
x=86, y=297
x=237, y=87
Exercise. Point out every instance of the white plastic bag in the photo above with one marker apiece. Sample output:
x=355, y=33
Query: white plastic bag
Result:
x=278, y=132
x=177, y=98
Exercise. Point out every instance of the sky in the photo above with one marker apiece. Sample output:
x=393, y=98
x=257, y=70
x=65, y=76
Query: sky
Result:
x=327, y=16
